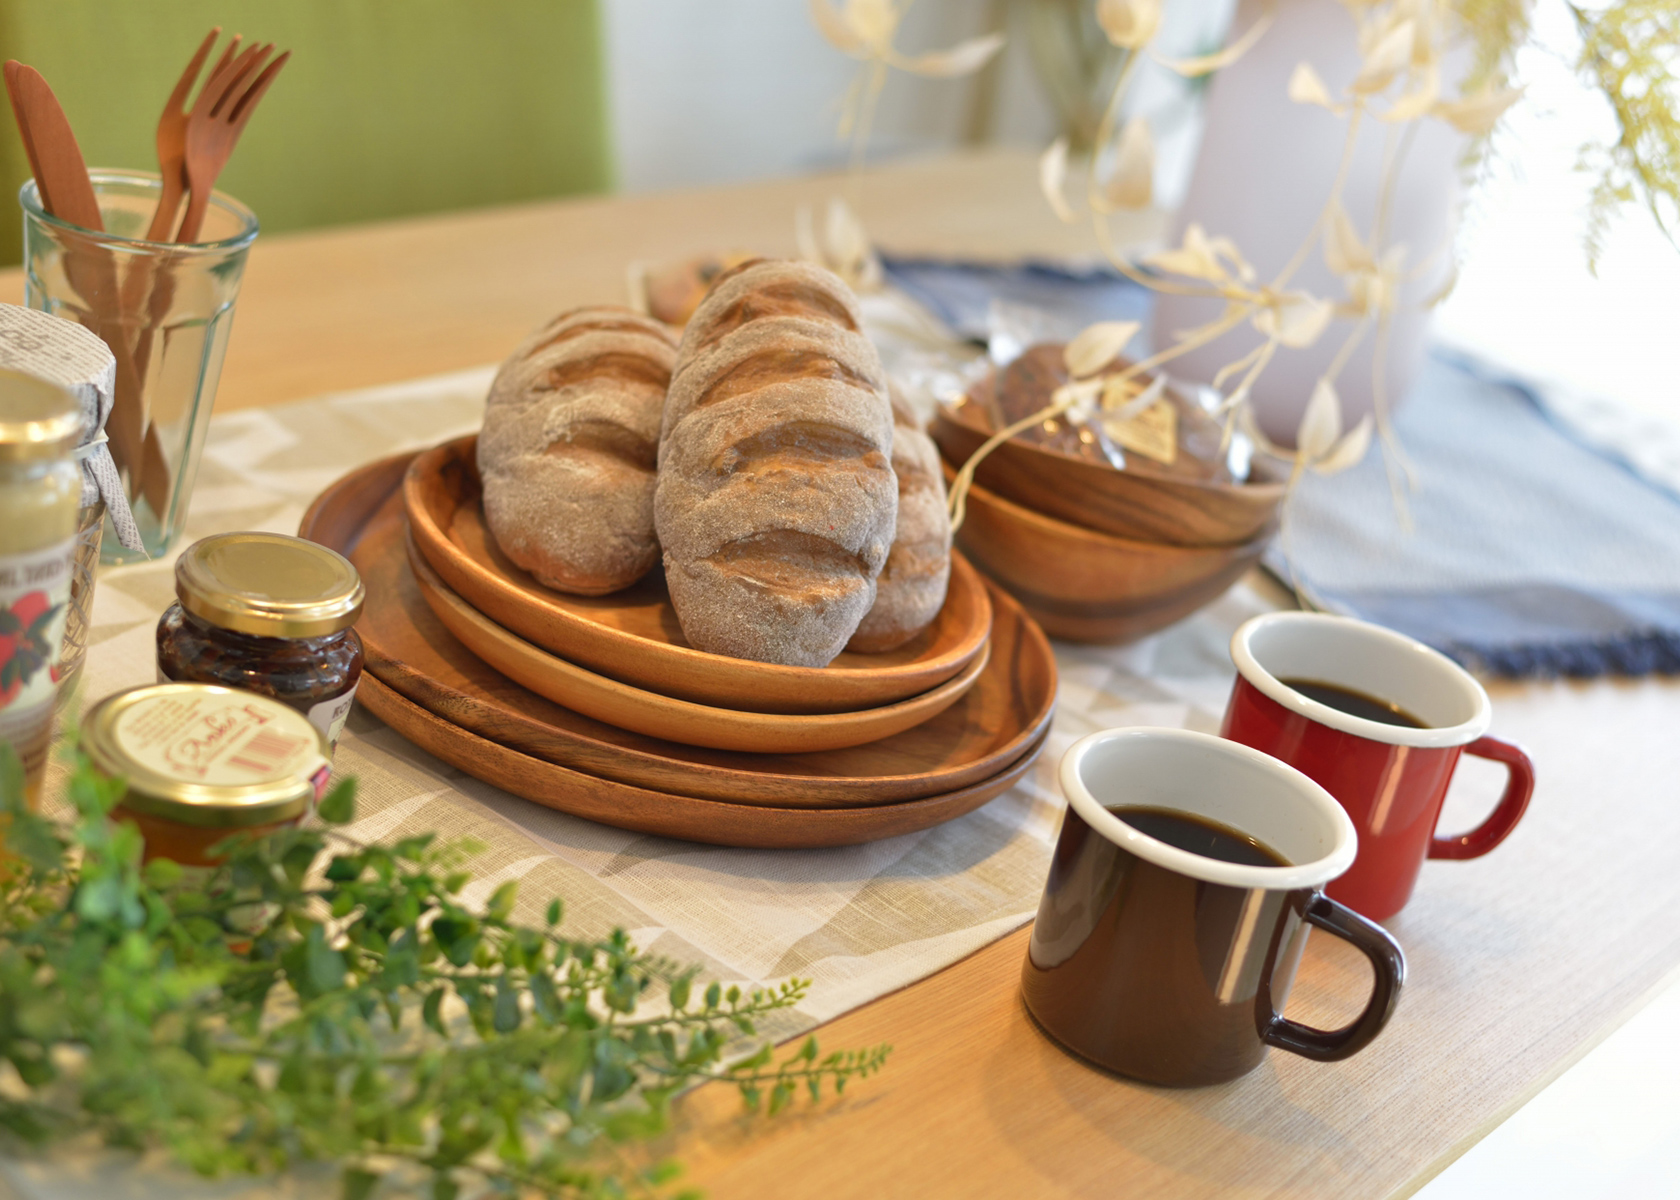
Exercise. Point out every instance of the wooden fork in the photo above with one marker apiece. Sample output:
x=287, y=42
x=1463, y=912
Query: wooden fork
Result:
x=172, y=137
x=215, y=123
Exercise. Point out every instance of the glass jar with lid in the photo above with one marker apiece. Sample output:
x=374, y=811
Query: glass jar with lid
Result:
x=40, y=496
x=269, y=614
x=203, y=764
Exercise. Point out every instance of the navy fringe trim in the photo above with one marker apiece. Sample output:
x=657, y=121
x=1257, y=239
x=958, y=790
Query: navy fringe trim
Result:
x=1653, y=653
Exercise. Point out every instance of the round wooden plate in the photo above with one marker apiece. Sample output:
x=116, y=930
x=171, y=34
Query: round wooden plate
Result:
x=668, y=815
x=662, y=716
x=410, y=651
x=633, y=635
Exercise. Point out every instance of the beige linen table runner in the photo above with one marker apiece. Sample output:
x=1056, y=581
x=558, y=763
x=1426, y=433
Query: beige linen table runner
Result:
x=858, y=922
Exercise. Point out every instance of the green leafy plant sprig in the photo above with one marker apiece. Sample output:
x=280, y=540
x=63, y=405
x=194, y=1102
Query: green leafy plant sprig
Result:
x=314, y=998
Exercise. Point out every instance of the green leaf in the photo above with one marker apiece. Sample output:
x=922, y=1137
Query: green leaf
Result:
x=338, y=806
x=679, y=991
x=507, y=1015
x=13, y=798
x=432, y=1011
x=554, y=910
x=324, y=964
x=501, y=900
x=357, y=1184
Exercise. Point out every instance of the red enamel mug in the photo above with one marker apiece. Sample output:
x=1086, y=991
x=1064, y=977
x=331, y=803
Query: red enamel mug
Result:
x=1391, y=778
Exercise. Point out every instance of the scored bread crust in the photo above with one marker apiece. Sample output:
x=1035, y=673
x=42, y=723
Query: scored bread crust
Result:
x=911, y=588
x=776, y=503
x=569, y=447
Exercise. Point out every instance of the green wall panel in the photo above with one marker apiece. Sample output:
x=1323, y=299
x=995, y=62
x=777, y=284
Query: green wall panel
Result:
x=387, y=107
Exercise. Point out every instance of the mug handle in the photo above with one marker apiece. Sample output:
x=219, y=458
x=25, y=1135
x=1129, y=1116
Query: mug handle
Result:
x=1505, y=816
x=1389, y=965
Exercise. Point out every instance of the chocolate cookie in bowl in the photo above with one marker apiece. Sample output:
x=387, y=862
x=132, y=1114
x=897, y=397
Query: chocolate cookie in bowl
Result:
x=569, y=445
x=777, y=502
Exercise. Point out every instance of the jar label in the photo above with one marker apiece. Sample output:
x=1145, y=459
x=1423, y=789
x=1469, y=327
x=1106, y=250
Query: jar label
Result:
x=329, y=716
x=219, y=740
x=34, y=602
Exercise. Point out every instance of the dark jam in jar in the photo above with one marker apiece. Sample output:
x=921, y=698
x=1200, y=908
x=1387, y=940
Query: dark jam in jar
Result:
x=270, y=614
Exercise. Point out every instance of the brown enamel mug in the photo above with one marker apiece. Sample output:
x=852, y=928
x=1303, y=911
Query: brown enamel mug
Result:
x=1173, y=967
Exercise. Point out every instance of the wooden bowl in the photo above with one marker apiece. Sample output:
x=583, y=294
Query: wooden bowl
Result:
x=661, y=716
x=1091, y=587
x=1125, y=504
x=409, y=651
x=633, y=635
x=669, y=814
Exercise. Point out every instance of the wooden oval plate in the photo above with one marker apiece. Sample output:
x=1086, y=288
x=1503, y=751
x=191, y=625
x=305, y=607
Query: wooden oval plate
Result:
x=669, y=815
x=633, y=635
x=666, y=717
x=410, y=651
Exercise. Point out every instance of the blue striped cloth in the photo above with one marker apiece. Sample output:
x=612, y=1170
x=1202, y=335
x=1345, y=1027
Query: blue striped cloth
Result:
x=1531, y=553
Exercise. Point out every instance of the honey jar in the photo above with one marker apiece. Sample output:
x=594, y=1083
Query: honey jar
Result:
x=204, y=763
x=269, y=614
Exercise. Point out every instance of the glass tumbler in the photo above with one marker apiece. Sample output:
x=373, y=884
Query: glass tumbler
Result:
x=165, y=310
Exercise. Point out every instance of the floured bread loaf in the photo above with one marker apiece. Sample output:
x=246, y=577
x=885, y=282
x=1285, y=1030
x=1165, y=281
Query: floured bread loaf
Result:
x=776, y=501
x=569, y=449
x=911, y=588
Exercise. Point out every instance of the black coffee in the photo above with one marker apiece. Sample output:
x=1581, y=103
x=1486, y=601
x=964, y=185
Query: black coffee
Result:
x=1354, y=703
x=1199, y=835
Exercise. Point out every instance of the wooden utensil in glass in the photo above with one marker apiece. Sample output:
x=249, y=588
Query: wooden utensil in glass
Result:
x=66, y=193
x=214, y=125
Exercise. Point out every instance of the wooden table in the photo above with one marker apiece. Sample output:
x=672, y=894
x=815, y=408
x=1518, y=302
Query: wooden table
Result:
x=1519, y=963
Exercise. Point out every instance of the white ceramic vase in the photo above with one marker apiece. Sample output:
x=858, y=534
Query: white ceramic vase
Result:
x=1266, y=165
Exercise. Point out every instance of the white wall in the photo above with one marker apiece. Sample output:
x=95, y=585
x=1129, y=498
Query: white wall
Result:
x=707, y=91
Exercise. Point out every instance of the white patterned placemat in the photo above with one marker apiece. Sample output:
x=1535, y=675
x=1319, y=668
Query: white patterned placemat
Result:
x=859, y=922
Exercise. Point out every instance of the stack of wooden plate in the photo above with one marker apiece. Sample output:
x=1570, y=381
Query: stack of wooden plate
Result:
x=1098, y=554
x=596, y=705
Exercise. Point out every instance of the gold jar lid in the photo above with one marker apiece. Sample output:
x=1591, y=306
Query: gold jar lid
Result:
x=207, y=756
x=37, y=419
x=269, y=585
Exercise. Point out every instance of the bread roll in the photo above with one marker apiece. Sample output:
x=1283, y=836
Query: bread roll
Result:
x=911, y=588
x=777, y=500
x=569, y=448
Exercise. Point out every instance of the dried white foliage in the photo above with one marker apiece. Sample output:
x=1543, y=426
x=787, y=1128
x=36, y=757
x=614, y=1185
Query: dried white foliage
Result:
x=1121, y=399
x=1296, y=320
x=1097, y=346
x=1321, y=423
x=1129, y=24
x=961, y=59
x=1206, y=64
x=1344, y=251
x=837, y=30
x=1052, y=179
x=1131, y=182
x=1477, y=113
x=1418, y=100
x=843, y=248
x=1201, y=257
x=1305, y=87
x=1384, y=61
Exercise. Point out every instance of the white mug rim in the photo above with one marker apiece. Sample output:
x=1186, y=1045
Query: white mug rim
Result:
x=1429, y=737
x=1293, y=877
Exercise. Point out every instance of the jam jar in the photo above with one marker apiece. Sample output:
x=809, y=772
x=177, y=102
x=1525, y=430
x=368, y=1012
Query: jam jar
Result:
x=269, y=614
x=203, y=764
x=40, y=494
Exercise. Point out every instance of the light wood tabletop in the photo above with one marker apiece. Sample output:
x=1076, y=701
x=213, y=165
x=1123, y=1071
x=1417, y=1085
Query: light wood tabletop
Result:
x=1519, y=962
